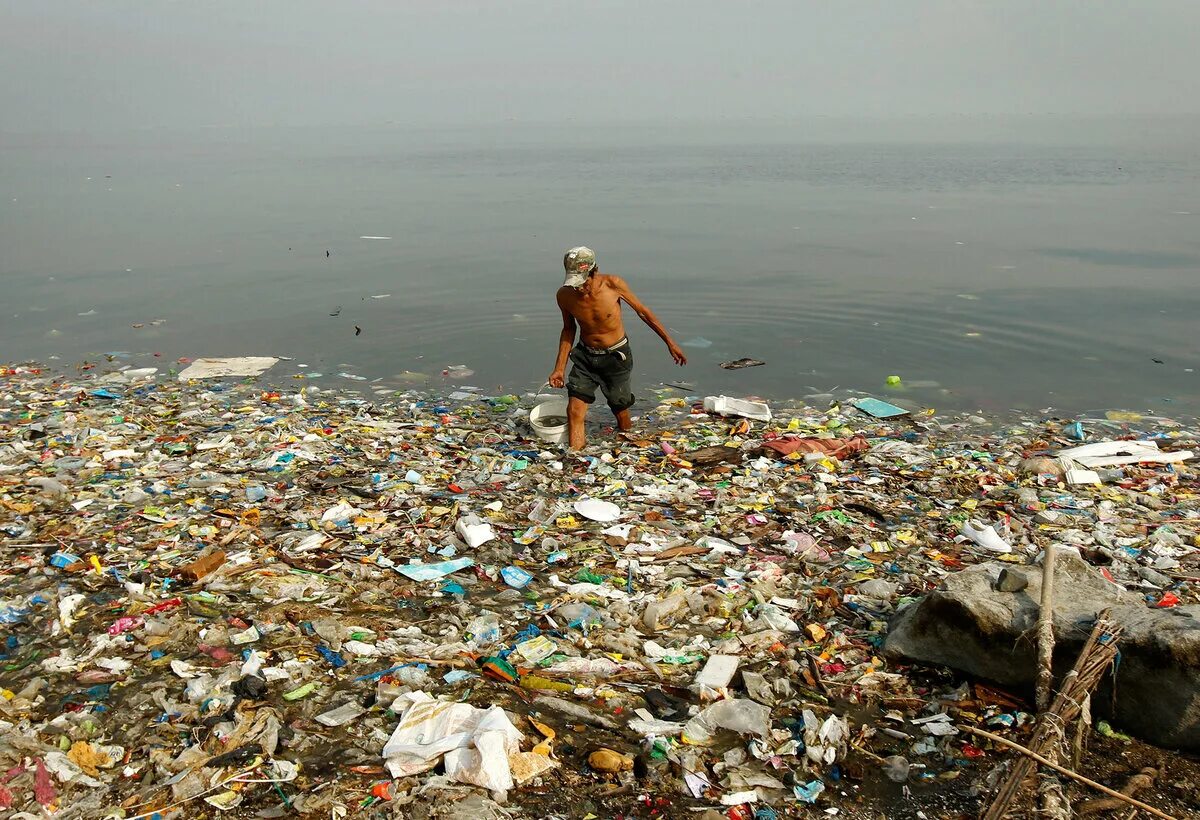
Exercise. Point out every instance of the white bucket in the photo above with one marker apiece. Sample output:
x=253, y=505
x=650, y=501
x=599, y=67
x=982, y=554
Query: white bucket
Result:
x=552, y=433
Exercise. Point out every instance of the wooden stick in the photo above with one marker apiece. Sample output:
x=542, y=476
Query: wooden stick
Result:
x=1142, y=780
x=1082, y=727
x=1053, y=801
x=867, y=752
x=1017, y=747
x=1045, y=675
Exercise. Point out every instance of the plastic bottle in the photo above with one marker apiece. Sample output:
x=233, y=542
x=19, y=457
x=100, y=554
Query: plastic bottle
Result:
x=330, y=631
x=1029, y=499
x=662, y=613
x=255, y=493
x=413, y=676
x=770, y=616
x=577, y=614
x=484, y=629
x=538, y=513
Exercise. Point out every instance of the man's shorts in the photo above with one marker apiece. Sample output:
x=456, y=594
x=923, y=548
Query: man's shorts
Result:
x=610, y=371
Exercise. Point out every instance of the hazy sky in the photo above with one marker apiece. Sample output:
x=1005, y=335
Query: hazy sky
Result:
x=112, y=64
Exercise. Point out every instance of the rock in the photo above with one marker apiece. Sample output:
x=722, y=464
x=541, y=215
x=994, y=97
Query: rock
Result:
x=878, y=589
x=1011, y=580
x=969, y=624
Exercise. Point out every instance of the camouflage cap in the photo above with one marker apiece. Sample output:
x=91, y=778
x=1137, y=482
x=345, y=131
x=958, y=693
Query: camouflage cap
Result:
x=579, y=264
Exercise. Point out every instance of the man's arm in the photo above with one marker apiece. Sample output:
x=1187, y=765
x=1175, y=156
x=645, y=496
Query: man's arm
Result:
x=565, y=340
x=646, y=315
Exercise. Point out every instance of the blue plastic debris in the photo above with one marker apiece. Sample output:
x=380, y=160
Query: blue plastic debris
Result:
x=808, y=792
x=516, y=577
x=336, y=660
x=878, y=408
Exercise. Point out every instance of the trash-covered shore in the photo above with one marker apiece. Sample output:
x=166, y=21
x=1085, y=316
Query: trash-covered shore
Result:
x=240, y=598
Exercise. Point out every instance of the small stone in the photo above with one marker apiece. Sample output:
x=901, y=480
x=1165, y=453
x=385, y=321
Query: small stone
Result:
x=879, y=589
x=1011, y=581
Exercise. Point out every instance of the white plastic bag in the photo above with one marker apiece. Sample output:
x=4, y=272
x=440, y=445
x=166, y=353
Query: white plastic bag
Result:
x=744, y=716
x=476, y=743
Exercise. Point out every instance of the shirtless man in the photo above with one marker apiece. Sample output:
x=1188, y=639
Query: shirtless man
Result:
x=590, y=301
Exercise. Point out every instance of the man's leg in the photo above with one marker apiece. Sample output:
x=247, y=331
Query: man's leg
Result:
x=581, y=392
x=617, y=388
x=576, y=413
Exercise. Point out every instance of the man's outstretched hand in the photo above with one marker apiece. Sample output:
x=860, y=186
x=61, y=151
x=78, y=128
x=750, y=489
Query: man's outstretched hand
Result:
x=556, y=379
x=677, y=355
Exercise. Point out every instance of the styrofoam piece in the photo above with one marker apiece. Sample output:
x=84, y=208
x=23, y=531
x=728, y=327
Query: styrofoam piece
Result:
x=718, y=671
x=474, y=532
x=1117, y=453
x=729, y=406
x=231, y=366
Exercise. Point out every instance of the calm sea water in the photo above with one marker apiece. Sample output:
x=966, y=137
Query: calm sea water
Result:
x=991, y=265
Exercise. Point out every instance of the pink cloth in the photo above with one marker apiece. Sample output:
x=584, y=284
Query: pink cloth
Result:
x=836, y=447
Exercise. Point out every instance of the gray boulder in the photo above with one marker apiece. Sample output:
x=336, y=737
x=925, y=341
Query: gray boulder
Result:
x=969, y=623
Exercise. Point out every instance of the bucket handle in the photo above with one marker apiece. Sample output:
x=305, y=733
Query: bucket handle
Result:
x=539, y=393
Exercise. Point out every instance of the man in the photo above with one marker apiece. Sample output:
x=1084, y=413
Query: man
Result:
x=590, y=301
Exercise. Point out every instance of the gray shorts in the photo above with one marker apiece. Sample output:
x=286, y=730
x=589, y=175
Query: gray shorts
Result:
x=609, y=371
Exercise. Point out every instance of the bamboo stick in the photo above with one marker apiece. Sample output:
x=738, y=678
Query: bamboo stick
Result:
x=1045, y=674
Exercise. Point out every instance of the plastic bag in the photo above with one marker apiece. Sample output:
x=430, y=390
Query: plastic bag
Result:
x=476, y=743
x=744, y=716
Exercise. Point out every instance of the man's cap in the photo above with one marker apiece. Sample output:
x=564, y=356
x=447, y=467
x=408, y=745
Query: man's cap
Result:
x=579, y=263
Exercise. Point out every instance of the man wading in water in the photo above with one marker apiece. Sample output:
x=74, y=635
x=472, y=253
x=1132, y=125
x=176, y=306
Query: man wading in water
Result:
x=591, y=301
